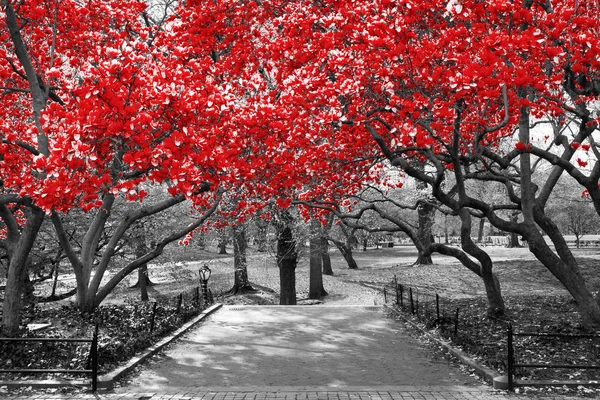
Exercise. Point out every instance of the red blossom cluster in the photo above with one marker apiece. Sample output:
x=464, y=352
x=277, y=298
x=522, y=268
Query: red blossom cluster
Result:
x=277, y=99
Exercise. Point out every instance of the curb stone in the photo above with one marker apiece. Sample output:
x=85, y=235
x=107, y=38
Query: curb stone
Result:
x=484, y=372
x=106, y=381
x=488, y=374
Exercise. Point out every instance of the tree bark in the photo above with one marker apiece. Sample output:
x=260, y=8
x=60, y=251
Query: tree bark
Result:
x=325, y=258
x=513, y=238
x=139, y=243
x=480, y=230
x=346, y=252
x=222, y=246
x=17, y=268
x=425, y=212
x=287, y=260
x=261, y=234
x=446, y=240
x=316, y=289
x=240, y=264
x=496, y=307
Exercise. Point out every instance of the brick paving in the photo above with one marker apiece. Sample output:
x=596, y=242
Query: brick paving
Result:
x=408, y=393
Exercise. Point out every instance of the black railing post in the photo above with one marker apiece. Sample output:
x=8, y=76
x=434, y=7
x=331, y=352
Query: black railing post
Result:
x=510, y=361
x=456, y=323
x=95, y=359
x=179, y=302
x=197, y=295
x=412, y=303
x=417, y=302
x=401, y=296
x=153, y=317
x=384, y=295
x=437, y=308
x=397, y=295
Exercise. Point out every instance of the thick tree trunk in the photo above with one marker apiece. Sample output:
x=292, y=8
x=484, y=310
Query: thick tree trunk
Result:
x=496, y=307
x=287, y=260
x=11, y=310
x=425, y=212
x=240, y=264
x=325, y=258
x=222, y=246
x=513, y=238
x=316, y=289
x=138, y=239
x=564, y=266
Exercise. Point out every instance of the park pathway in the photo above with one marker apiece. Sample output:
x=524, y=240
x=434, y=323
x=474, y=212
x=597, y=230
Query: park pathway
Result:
x=319, y=352
x=305, y=347
x=302, y=352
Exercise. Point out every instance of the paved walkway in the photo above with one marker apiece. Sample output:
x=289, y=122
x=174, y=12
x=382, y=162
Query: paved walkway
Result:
x=331, y=347
x=297, y=353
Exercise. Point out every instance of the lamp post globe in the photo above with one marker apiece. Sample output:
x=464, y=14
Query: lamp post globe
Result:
x=204, y=273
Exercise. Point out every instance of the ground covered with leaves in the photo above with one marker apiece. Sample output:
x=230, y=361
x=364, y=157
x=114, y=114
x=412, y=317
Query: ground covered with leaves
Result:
x=535, y=302
x=123, y=331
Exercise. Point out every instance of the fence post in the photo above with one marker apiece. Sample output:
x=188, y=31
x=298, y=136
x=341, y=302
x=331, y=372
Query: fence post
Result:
x=456, y=322
x=397, y=295
x=412, y=303
x=179, y=301
x=197, y=296
x=95, y=359
x=437, y=308
x=417, y=302
x=152, y=318
x=210, y=297
x=511, y=355
x=384, y=295
x=401, y=296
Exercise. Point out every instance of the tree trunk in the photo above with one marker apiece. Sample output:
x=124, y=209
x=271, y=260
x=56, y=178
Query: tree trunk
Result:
x=325, y=258
x=425, y=212
x=563, y=266
x=480, y=230
x=222, y=246
x=513, y=239
x=446, y=240
x=346, y=252
x=287, y=260
x=139, y=244
x=261, y=234
x=240, y=264
x=496, y=307
x=316, y=289
x=17, y=268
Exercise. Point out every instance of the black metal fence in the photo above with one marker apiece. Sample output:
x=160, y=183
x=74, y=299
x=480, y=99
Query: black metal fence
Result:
x=513, y=364
x=151, y=318
x=426, y=306
x=92, y=364
x=432, y=310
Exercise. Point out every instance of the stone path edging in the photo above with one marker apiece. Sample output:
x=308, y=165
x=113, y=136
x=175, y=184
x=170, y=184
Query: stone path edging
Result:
x=491, y=376
x=484, y=372
x=106, y=381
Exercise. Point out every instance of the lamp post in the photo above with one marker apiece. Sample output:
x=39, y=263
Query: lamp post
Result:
x=204, y=273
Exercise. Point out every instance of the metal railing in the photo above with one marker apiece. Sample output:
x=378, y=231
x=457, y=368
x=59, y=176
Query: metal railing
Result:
x=512, y=364
x=92, y=359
